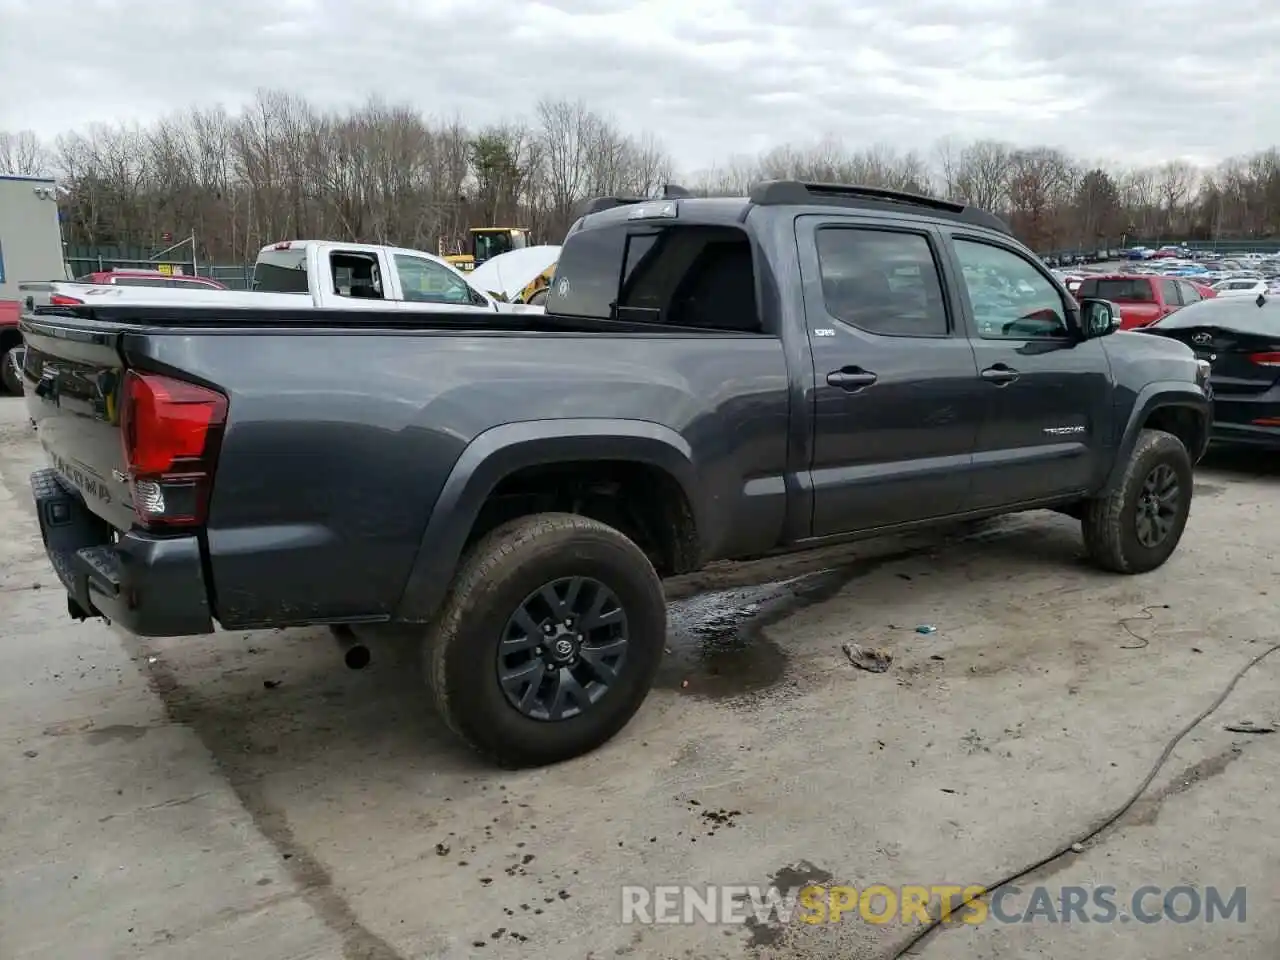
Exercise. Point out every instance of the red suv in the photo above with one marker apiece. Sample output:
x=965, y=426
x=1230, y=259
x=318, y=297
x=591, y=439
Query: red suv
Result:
x=1143, y=300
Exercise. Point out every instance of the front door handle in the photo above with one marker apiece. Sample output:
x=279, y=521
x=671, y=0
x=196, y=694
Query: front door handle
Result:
x=999, y=374
x=850, y=378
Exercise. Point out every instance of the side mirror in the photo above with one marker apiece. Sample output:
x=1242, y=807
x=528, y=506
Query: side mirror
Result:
x=1098, y=318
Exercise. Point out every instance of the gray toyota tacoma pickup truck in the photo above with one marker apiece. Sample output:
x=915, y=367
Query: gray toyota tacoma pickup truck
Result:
x=713, y=379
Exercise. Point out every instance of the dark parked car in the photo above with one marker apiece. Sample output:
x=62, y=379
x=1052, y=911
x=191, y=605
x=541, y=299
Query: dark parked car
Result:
x=713, y=379
x=1240, y=338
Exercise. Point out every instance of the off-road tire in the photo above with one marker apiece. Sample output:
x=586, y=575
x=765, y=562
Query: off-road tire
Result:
x=1109, y=522
x=9, y=378
x=460, y=649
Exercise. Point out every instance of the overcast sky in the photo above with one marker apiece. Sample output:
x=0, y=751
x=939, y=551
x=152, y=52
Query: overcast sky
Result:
x=1130, y=80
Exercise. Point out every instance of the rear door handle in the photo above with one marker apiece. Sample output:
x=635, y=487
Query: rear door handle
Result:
x=851, y=378
x=999, y=374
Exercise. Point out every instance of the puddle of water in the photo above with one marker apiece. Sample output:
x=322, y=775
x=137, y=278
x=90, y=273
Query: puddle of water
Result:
x=715, y=640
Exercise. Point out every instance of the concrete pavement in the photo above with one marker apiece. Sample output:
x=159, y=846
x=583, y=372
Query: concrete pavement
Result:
x=244, y=795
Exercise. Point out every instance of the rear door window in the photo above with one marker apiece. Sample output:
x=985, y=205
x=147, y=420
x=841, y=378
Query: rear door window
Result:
x=1189, y=293
x=1169, y=291
x=1118, y=289
x=357, y=274
x=882, y=281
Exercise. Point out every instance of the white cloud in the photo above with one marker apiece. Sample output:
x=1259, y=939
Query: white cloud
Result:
x=1145, y=81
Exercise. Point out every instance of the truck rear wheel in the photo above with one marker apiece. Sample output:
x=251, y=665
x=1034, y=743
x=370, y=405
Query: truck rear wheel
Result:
x=548, y=641
x=1137, y=527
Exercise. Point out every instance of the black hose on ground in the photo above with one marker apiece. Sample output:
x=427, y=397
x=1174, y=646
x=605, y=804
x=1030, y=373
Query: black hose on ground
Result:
x=912, y=941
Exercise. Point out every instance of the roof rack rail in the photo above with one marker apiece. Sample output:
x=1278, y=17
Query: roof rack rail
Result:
x=670, y=191
x=801, y=193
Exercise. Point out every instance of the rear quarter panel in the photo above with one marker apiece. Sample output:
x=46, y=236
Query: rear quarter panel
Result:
x=338, y=444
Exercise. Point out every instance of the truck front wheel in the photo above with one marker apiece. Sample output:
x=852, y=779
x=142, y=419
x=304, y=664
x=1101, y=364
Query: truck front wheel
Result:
x=1137, y=526
x=548, y=641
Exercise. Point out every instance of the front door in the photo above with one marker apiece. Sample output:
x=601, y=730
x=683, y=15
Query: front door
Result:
x=428, y=287
x=1048, y=392
x=896, y=399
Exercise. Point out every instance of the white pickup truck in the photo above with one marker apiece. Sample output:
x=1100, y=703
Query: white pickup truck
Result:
x=333, y=275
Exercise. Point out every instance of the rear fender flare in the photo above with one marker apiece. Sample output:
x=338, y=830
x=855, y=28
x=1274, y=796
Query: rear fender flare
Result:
x=1153, y=396
x=499, y=452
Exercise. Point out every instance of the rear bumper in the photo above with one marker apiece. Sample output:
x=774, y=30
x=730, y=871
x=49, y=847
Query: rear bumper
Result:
x=1236, y=416
x=152, y=586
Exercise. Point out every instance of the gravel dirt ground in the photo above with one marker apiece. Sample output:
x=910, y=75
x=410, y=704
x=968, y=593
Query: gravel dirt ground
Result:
x=243, y=795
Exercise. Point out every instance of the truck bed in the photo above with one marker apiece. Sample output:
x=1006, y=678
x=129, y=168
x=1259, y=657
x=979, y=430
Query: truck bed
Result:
x=342, y=431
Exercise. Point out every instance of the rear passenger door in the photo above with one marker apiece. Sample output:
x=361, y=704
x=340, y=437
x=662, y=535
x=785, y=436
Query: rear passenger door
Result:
x=1047, y=393
x=897, y=400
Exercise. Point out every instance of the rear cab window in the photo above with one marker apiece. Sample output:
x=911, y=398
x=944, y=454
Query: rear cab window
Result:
x=281, y=271
x=683, y=276
x=1118, y=289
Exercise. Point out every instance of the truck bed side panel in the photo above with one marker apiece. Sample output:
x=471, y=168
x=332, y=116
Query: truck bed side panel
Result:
x=338, y=444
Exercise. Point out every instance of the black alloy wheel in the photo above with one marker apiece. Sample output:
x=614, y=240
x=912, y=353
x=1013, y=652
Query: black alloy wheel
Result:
x=562, y=649
x=1159, y=501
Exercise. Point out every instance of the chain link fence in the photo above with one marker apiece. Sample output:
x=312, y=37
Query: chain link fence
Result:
x=84, y=260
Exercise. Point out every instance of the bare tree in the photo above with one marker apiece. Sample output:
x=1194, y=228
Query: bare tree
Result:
x=22, y=154
x=1176, y=181
x=281, y=168
x=982, y=178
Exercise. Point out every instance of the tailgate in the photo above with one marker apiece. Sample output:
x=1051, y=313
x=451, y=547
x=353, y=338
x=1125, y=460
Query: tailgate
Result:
x=73, y=374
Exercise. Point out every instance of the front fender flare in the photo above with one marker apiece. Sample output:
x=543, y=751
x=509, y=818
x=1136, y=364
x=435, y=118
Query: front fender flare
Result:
x=502, y=450
x=1163, y=393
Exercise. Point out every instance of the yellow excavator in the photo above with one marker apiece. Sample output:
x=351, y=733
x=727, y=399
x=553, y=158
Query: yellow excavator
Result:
x=489, y=242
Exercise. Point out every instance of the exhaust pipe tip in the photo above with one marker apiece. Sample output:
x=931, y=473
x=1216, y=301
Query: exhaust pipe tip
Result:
x=354, y=653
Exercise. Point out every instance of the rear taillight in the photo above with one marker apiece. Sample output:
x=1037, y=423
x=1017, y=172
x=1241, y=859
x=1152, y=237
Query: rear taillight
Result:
x=172, y=431
x=61, y=300
x=1271, y=359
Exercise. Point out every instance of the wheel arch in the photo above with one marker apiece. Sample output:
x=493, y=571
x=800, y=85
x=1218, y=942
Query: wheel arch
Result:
x=1176, y=407
x=564, y=450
